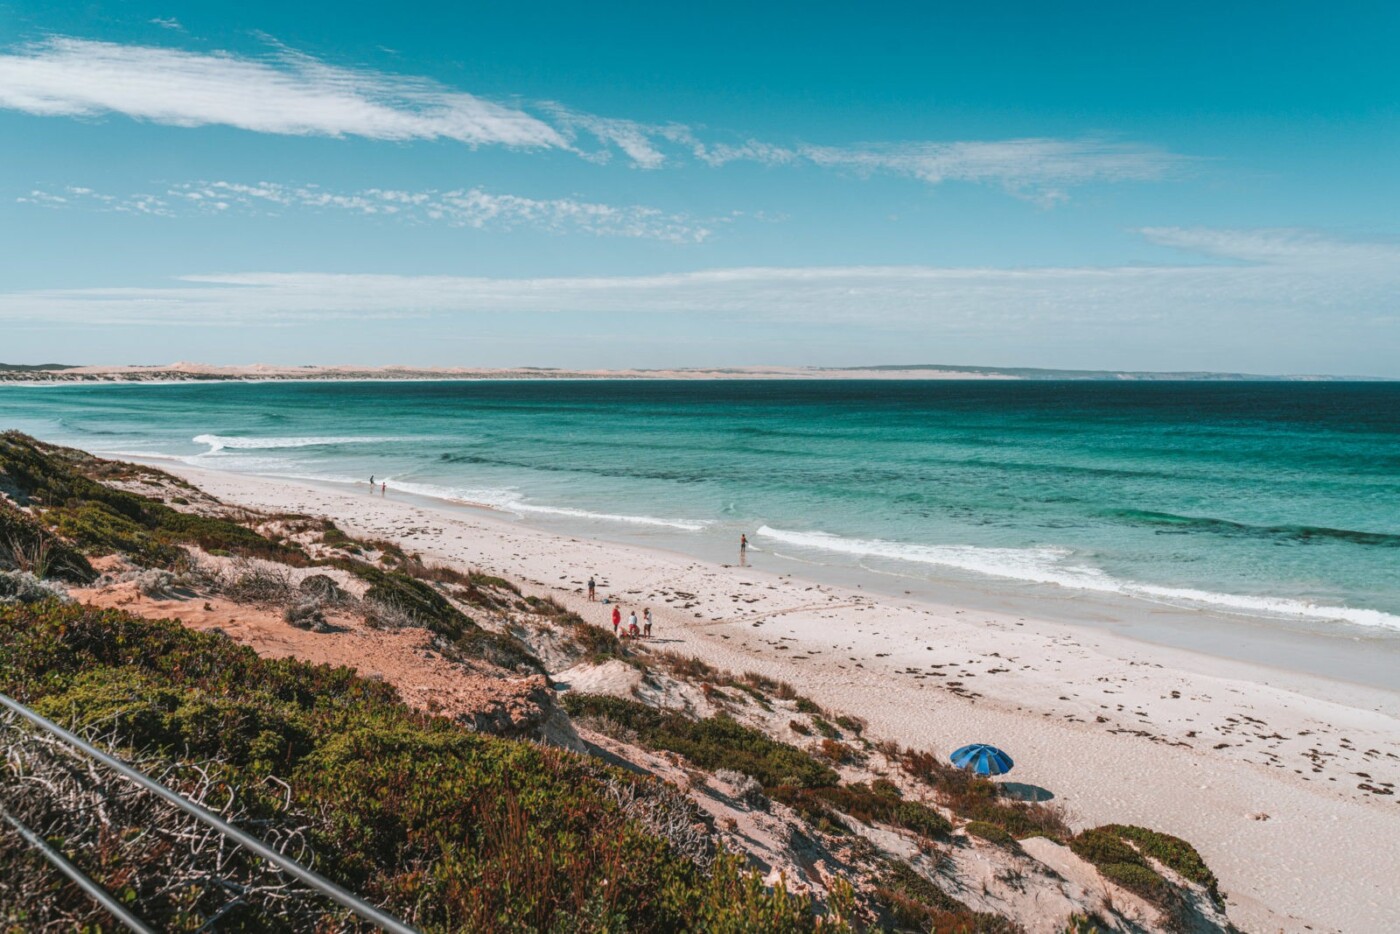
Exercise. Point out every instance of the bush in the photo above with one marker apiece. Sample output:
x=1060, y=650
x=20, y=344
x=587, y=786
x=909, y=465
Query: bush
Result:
x=515, y=835
x=1173, y=852
x=322, y=589
x=975, y=798
x=992, y=834
x=259, y=585
x=25, y=545
x=746, y=788
x=865, y=805
x=836, y=752
x=23, y=587
x=306, y=615
x=718, y=742
x=395, y=599
x=914, y=902
x=1119, y=862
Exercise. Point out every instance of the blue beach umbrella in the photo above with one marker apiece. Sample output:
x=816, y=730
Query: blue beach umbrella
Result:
x=982, y=759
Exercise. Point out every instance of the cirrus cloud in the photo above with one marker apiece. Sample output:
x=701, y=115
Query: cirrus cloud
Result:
x=287, y=92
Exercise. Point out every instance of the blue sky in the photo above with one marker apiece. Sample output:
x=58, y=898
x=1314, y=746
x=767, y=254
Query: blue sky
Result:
x=1149, y=186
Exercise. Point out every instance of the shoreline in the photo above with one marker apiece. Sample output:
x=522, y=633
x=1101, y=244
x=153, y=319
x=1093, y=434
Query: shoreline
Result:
x=1216, y=751
x=1284, y=650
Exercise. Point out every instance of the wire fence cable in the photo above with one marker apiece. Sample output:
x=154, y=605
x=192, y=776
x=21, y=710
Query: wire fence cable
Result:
x=290, y=866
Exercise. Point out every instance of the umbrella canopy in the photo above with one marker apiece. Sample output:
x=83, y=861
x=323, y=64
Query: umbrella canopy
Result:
x=982, y=759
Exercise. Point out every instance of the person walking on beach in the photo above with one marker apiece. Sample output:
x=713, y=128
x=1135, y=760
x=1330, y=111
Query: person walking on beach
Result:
x=632, y=629
x=371, y=484
x=384, y=488
x=617, y=619
x=592, y=589
x=646, y=622
x=743, y=547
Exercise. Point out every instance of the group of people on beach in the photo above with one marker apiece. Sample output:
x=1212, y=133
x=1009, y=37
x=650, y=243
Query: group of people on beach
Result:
x=633, y=630
x=636, y=629
x=383, y=486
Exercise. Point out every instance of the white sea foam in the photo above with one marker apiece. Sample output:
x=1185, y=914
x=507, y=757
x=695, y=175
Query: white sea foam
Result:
x=510, y=501
x=1048, y=566
x=219, y=443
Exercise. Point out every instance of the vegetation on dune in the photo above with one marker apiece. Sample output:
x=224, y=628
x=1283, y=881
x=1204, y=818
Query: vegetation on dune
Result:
x=1119, y=862
x=1173, y=852
x=450, y=830
x=786, y=773
x=98, y=519
x=25, y=545
x=979, y=799
x=447, y=828
x=992, y=834
x=913, y=903
x=719, y=742
x=398, y=599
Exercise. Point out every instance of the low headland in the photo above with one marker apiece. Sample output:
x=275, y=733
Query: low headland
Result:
x=422, y=702
x=185, y=372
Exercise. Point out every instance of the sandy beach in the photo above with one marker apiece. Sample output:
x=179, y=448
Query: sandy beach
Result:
x=1286, y=787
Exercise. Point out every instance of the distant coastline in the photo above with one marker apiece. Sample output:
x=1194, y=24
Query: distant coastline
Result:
x=201, y=372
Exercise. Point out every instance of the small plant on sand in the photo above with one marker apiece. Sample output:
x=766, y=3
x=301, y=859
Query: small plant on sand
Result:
x=992, y=834
x=1118, y=861
x=1173, y=852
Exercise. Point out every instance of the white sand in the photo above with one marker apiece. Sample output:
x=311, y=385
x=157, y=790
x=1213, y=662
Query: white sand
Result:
x=1264, y=780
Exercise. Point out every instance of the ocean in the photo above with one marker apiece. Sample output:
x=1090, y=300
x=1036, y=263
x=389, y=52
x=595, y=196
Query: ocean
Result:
x=1268, y=500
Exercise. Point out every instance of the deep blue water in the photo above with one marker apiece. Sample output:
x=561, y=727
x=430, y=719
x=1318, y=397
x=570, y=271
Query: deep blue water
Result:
x=1260, y=498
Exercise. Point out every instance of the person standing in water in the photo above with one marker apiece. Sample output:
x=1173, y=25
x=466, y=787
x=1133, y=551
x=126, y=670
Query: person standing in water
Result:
x=743, y=547
x=646, y=622
x=384, y=488
x=371, y=484
x=617, y=619
x=592, y=589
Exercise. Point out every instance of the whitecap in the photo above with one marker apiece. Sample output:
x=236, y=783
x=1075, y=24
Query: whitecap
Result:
x=1046, y=565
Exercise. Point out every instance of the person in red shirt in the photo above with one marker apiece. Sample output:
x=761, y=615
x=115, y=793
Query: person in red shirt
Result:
x=617, y=618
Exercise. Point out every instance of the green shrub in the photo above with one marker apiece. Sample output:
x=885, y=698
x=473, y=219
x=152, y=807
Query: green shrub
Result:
x=718, y=742
x=25, y=545
x=807, y=705
x=851, y=724
x=976, y=798
x=914, y=903
x=1173, y=852
x=395, y=593
x=1119, y=862
x=451, y=829
x=865, y=805
x=824, y=728
x=992, y=834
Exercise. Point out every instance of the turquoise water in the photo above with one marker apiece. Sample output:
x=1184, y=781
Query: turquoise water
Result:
x=1273, y=500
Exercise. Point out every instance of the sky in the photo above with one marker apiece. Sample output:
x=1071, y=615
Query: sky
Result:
x=1150, y=186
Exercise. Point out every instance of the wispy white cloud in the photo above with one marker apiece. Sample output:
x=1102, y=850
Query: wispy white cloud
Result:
x=1038, y=169
x=1282, y=283
x=461, y=207
x=284, y=93
x=287, y=92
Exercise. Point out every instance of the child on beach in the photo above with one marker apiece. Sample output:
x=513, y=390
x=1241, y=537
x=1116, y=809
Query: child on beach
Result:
x=617, y=619
x=646, y=622
x=632, y=629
